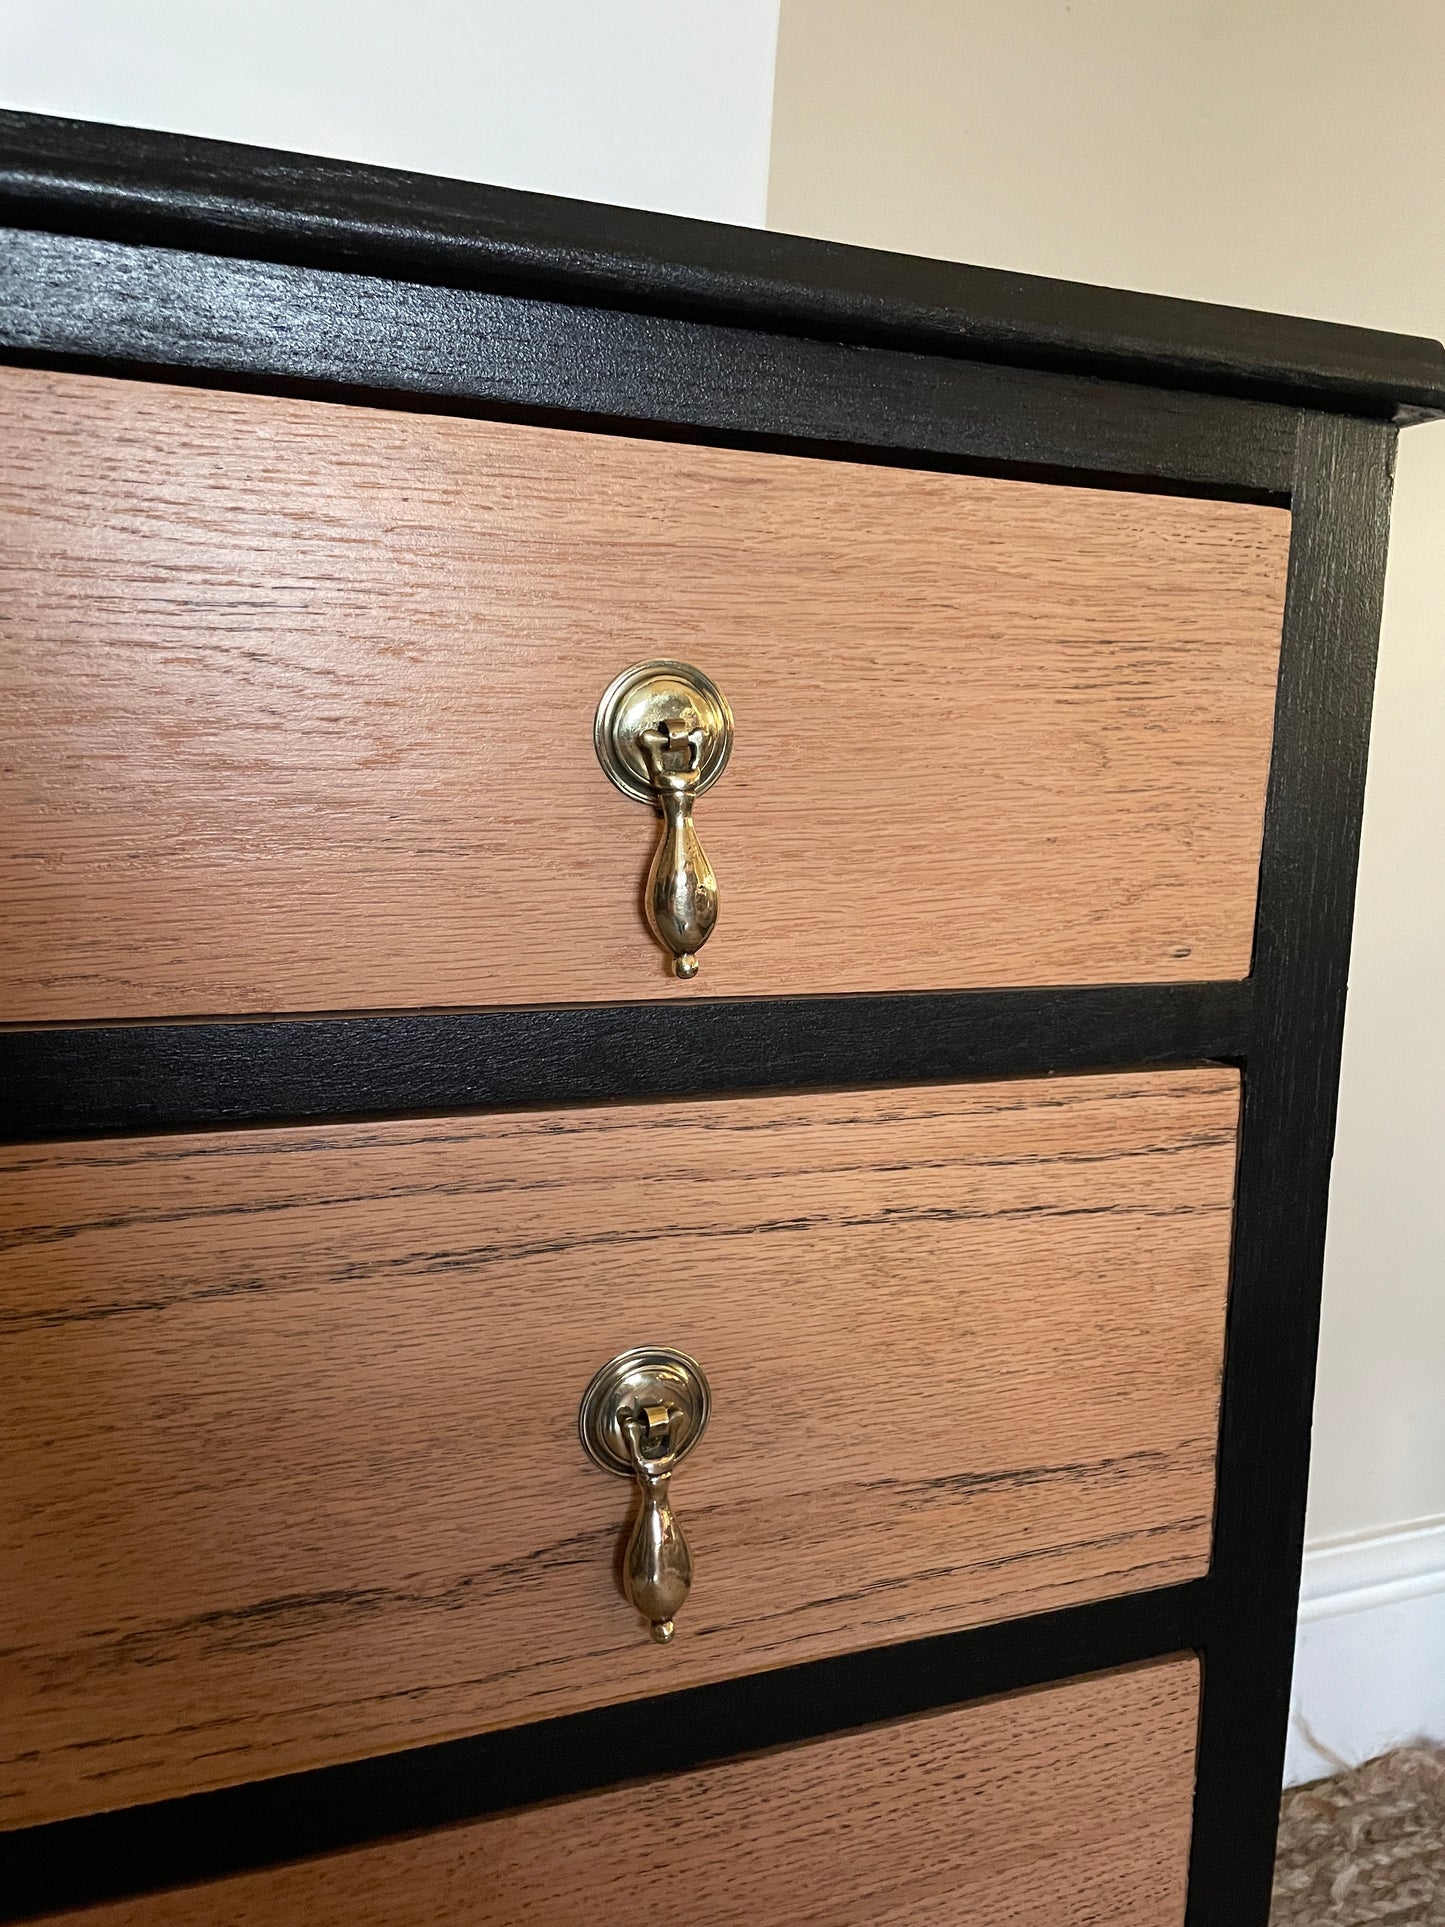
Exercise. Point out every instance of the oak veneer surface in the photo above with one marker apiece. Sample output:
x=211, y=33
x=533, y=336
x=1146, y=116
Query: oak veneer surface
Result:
x=298, y=700
x=1066, y=1807
x=291, y=1465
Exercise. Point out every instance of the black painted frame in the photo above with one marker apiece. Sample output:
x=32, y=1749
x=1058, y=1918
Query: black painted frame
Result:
x=171, y=191
x=202, y=1836
x=92, y=1079
x=179, y=260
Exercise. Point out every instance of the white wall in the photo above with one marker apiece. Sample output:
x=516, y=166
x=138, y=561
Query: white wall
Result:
x=650, y=103
x=1368, y=1671
x=1287, y=155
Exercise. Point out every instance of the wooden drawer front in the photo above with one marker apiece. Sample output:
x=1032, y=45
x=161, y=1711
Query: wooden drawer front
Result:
x=298, y=707
x=272, y=1498
x=1068, y=1807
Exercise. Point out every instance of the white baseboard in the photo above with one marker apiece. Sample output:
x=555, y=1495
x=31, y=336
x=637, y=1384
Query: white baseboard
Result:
x=1369, y=1668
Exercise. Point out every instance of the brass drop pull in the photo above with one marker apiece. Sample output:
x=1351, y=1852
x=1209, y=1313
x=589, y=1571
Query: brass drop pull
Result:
x=657, y=1572
x=681, y=899
x=663, y=734
x=642, y=1414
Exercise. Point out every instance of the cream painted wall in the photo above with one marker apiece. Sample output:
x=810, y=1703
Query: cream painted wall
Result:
x=1285, y=154
x=644, y=102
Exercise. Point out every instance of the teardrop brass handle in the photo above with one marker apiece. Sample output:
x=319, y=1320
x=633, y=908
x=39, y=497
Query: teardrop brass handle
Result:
x=643, y=1413
x=657, y=1569
x=663, y=734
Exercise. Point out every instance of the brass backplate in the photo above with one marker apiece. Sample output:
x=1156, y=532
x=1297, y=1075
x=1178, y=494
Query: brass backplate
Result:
x=651, y=693
x=650, y=1375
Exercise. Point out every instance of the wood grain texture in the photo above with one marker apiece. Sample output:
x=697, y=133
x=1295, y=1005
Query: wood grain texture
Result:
x=1067, y=1807
x=293, y=1474
x=298, y=705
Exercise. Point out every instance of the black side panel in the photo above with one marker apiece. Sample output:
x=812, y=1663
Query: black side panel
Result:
x=1302, y=948
x=160, y=309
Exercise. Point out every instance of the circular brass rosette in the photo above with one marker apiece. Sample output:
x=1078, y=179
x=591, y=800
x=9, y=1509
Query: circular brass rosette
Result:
x=646, y=696
x=650, y=1375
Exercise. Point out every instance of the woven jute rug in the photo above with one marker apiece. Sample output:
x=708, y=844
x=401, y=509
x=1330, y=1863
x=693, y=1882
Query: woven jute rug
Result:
x=1366, y=1845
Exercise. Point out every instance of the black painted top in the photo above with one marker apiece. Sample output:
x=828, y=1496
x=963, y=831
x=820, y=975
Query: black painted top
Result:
x=121, y=183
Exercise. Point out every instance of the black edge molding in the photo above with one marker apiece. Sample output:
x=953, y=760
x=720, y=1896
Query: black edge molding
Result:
x=173, y=190
x=92, y=1079
x=1301, y=965
x=74, y=1863
x=167, y=310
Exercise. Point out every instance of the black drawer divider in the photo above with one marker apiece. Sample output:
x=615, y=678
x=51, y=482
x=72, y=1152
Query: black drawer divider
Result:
x=93, y=1079
x=105, y=1856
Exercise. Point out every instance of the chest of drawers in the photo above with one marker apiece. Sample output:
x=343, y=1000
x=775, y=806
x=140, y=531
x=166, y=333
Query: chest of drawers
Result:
x=375, y=1070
